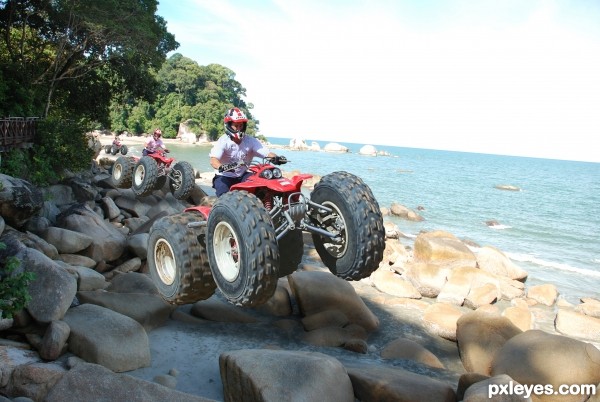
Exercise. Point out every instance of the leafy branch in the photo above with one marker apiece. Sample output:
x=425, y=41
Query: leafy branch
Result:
x=13, y=286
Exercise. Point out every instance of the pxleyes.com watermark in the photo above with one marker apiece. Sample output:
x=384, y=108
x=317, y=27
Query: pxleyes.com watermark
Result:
x=538, y=389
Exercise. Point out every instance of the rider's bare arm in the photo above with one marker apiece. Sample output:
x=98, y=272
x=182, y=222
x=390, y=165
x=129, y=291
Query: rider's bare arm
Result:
x=214, y=162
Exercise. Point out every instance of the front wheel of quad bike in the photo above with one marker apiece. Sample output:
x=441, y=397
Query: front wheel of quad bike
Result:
x=182, y=180
x=107, y=149
x=144, y=176
x=291, y=250
x=355, y=218
x=242, y=249
x=122, y=172
x=124, y=149
x=177, y=262
x=114, y=150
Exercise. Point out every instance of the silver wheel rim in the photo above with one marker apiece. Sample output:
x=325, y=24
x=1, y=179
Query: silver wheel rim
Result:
x=140, y=173
x=336, y=224
x=164, y=259
x=227, y=254
x=117, y=171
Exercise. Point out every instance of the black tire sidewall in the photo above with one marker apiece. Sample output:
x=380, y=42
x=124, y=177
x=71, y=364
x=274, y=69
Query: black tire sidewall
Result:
x=150, y=176
x=187, y=180
x=257, y=243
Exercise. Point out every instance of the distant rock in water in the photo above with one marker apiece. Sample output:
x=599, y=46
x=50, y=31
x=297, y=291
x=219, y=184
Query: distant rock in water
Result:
x=368, y=150
x=298, y=143
x=507, y=187
x=335, y=147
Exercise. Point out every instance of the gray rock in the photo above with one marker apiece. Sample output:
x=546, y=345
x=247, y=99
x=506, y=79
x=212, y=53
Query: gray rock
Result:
x=138, y=243
x=67, y=241
x=91, y=382
x=19, y=200
x=108, y=244
x=102, y=336
x=537, y=357
x=54, y=342
x=149, y=310
x=53, y=289
x=376, y=383
x=280, y=375
x=34, y=380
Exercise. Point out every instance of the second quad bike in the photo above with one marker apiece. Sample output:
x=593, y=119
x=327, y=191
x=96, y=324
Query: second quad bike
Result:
x=253, y=235
x=151, y=172
x=116, y=147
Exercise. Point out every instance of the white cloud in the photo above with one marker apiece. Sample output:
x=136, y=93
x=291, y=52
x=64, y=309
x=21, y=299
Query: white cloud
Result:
x=484, y=80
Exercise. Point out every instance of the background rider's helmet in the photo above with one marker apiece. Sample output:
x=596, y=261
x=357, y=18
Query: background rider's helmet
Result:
x=235, y=115
x=157, y=133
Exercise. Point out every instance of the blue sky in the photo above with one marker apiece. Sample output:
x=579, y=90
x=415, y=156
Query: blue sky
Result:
x=509, y=77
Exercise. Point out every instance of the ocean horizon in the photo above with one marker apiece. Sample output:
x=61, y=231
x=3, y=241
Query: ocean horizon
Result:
x=550, y=227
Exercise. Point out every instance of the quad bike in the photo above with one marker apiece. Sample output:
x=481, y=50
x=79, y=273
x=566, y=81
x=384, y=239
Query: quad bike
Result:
x=150, y=172
x=252, y=236
x=115, y=148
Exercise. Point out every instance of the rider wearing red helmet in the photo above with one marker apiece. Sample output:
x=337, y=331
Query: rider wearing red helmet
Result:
x=234, y=147
x=154, y=143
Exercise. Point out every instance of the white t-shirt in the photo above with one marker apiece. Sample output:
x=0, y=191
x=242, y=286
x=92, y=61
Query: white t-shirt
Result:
x=153, y=145
x=227, y=151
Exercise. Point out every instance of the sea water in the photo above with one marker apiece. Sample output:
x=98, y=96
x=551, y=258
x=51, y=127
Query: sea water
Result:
x=550, y=227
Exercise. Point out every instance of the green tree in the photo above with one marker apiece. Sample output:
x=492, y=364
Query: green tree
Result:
x=62, y=52
x=14, y=294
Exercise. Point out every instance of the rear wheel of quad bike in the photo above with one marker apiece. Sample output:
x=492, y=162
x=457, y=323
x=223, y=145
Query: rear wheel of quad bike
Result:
x=177, y=262
x=182, y=180
x=242, y=249
x=114, y=150
x=291, y=250
x=107, y=149
x=356, y=218
x=144, y=176
x=122, y=172
x=124, y=149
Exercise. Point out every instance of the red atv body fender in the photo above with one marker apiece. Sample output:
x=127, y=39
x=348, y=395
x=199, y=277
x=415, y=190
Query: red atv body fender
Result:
x=282, y=185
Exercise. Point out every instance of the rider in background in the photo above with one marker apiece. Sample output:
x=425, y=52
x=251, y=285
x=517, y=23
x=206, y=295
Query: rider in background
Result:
x=235, y=147
x=154, y=143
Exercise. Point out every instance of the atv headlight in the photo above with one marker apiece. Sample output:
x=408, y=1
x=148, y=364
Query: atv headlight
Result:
x=267, y=174
x=277, y=173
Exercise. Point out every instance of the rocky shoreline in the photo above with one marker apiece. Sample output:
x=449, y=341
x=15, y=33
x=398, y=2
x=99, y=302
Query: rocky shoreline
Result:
x=436, y=322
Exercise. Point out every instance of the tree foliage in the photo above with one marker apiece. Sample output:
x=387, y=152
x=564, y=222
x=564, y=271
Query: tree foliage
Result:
x=198, y=95
x=66, y=61
x=59, y=52
x=14, y=294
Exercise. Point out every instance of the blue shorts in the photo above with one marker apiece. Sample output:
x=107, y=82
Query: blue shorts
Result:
x=221, y=184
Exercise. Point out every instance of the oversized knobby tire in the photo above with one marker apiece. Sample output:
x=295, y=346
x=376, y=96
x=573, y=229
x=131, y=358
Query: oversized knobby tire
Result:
x=124, y=149
x=177, y=263
x=182, y=180
x=122, y=172
x=291, y=250
x=145, y=175
x=107, y=149
x=356, y=217
x=242, y=249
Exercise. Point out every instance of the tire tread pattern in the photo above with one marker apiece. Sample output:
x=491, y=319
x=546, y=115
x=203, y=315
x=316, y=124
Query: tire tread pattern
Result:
x=261, y=269
x=195, y=277
x=370, y=234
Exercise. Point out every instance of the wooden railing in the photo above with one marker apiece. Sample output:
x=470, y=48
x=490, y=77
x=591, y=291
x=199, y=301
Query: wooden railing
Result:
x=17, y=132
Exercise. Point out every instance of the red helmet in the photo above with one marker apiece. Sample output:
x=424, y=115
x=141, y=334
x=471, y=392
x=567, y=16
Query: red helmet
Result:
x=235, y=115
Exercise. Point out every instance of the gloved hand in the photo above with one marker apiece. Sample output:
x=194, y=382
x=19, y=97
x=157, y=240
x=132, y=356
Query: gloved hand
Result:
x=280, y=160
x=227, y=166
